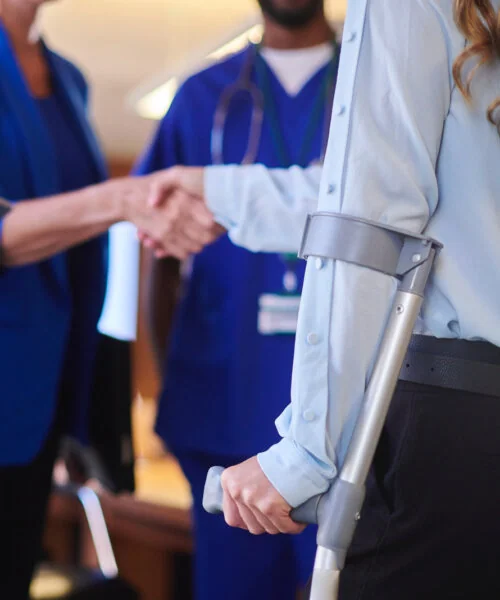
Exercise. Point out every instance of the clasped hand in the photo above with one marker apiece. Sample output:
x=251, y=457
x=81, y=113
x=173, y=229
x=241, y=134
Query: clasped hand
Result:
x=176, y=221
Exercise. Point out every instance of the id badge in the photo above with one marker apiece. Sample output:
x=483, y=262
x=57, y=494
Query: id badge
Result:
x=278, y=314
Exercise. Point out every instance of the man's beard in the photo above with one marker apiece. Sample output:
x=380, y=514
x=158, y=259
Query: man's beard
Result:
x=292, y=18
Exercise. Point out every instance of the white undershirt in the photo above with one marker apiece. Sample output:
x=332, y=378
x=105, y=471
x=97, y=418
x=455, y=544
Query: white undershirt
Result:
x=294, y=68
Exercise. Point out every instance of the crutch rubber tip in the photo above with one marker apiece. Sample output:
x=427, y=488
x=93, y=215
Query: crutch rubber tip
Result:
x=213, y=494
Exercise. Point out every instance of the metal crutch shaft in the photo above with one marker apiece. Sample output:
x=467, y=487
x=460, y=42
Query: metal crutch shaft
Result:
x=338, y=519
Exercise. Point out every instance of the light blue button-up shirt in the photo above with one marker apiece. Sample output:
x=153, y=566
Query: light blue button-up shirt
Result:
x=405, y=150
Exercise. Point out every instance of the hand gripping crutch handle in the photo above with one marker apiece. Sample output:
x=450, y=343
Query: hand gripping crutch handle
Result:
x=307, y=513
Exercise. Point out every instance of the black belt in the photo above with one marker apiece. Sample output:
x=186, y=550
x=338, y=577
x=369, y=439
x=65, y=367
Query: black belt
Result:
x=454, y=364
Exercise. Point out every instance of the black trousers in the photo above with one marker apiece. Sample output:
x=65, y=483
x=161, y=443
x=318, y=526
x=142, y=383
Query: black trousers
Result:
x=430, y=527
x=24, y=493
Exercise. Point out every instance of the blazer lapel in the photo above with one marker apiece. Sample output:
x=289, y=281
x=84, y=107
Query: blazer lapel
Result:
x=39, y=149
x=77, y=110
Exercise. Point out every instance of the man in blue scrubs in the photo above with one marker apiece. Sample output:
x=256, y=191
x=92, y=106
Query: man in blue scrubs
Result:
x=228, y=361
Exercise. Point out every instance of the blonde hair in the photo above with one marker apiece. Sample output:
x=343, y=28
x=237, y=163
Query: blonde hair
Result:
x=480, y=24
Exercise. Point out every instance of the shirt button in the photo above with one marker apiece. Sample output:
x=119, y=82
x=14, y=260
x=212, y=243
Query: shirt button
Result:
x=331, y=188
x=312, y=339
x=309, y=415
x=319, y=263
x=339, y=110
x=350, y=36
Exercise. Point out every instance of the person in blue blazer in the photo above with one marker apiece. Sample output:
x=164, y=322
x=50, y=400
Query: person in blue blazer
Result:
x=52, y=273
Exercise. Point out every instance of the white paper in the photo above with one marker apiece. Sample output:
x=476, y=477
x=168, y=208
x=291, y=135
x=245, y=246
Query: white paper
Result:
x=119, y=314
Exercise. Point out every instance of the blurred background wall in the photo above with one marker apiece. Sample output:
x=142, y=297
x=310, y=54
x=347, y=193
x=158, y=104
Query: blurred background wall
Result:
x=126, y=47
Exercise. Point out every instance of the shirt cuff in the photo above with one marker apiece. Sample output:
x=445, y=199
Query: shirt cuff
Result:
x=221, y=185
x=292, y=472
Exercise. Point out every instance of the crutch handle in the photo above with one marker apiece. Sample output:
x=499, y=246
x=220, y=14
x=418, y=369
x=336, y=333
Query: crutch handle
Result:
x=212, y=500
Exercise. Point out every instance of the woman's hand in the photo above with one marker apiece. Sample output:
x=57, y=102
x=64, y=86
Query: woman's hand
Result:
x=178, y=225
x=251, y=502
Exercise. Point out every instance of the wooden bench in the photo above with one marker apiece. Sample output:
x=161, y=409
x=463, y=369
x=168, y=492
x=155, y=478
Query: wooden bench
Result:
x=150, y=531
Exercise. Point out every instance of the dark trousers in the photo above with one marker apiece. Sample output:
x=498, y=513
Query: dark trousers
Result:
x=430, y=527
x=24, y=492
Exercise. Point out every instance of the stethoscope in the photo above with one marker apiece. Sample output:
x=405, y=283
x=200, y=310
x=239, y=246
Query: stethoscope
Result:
x=261, y=99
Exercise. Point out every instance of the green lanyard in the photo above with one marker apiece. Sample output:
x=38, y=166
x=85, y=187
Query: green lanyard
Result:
x=321, y=102
x=290, y=283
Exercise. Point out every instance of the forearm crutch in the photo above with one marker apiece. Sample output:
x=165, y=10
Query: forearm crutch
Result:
x=410, y=258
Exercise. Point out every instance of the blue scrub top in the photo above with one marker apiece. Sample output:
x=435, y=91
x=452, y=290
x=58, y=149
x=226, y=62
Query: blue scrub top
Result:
x=225, y=383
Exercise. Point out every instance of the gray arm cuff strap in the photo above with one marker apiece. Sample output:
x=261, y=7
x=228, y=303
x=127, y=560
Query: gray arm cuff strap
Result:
x=365, y=243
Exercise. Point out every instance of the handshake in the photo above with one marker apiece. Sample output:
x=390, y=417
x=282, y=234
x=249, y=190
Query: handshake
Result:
x=174, y=220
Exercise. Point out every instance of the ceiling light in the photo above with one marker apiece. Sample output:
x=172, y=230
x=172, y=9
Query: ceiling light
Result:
x=155, y=103
x=252, y=35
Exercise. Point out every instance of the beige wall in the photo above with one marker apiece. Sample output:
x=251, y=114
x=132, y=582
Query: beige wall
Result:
x=122, y=44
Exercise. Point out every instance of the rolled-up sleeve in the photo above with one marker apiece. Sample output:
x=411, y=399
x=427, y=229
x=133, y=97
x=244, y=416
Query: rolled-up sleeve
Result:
x=264, y=210
x=392, y=99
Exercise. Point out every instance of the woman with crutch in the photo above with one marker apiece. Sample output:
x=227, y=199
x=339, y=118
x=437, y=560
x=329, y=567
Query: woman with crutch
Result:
x=414, y=145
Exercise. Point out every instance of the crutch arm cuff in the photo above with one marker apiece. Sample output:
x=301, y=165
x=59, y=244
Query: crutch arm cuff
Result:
x=366, y=243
